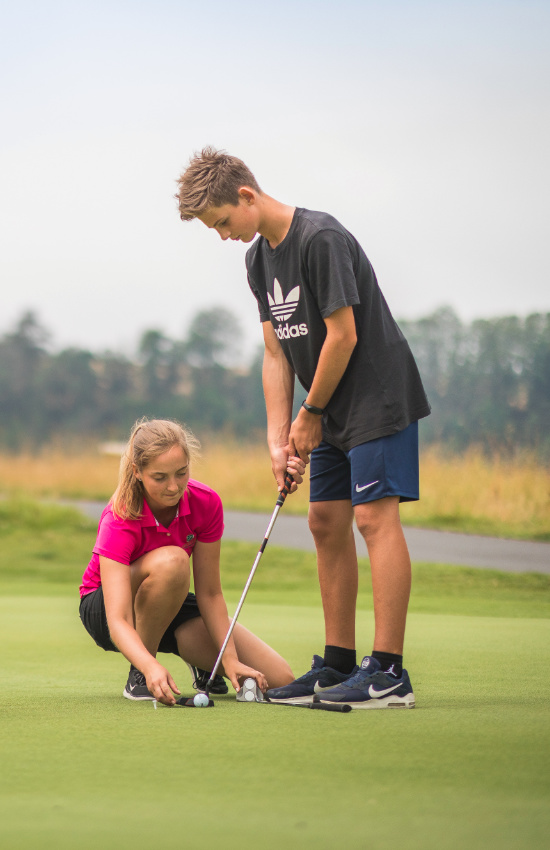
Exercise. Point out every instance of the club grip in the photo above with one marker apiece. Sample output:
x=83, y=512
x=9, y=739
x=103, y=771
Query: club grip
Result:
x=330, y=706
x=289, y=481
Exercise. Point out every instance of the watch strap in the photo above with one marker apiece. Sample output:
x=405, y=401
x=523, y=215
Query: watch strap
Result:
x=318, y=411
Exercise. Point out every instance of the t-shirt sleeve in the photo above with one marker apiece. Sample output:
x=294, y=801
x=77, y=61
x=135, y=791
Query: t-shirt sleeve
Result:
x=116, y=539
x=263, y=308
x=210, y=527
x=330, y=272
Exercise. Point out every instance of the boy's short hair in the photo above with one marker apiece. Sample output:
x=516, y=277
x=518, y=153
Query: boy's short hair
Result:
x=212, y=178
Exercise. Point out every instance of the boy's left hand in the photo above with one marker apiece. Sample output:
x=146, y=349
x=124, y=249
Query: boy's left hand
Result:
x=306, y=432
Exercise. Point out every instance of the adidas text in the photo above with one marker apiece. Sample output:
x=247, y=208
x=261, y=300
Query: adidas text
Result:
x=288, y=331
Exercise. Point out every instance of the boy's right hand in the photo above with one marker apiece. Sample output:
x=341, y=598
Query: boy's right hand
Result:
x=282, y=463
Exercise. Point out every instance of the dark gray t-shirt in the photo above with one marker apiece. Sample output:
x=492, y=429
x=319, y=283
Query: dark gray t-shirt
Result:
x=318, y=268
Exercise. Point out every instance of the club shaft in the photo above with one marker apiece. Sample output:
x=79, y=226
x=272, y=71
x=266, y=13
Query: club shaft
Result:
x=278, y=506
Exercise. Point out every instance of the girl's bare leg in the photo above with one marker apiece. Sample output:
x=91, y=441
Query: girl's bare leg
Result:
x=160, y=584
x=195, y=646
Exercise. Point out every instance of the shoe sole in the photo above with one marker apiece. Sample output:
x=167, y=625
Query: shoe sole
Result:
x=292, y=700
x=128, y=695
x=407, y=701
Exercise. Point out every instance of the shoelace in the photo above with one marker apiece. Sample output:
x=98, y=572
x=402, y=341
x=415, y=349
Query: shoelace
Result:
x=358, y=677
x=311, y=674
x=139, y=678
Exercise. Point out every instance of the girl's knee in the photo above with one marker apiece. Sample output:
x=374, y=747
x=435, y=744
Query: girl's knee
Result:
x=167, y=566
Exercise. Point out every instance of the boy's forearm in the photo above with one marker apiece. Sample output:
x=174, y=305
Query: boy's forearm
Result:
x=306, y=431
x=278, y=384
x=334, y=357
x=333, y=362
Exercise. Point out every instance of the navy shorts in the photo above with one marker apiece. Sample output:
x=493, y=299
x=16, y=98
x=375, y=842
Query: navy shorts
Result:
x=384, y=467
x=94, y=618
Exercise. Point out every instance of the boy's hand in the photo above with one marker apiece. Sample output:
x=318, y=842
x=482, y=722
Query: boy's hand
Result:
x=306, y=432
x=282, y=463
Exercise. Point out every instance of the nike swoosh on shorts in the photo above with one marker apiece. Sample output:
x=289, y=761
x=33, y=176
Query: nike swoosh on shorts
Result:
x=359, y=489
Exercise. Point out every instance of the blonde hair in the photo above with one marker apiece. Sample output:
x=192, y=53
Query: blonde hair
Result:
x=149, y=438
x=212, y=178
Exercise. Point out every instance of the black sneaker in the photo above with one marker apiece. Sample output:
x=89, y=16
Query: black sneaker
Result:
x=315, y=681
x=136, y=686
x=201, y=677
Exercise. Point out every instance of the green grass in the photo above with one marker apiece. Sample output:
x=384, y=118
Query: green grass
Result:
x=82, y=767
x=44, y=549
x=464, y=523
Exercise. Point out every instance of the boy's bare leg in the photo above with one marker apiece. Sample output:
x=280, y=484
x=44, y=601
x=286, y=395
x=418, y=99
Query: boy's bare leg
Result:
x=331, y=524
x=380, y=525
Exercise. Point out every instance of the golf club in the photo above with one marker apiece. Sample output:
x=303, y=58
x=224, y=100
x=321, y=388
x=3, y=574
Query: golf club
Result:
x=278, y=505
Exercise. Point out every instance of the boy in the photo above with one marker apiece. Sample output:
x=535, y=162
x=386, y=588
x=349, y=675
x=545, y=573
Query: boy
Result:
x=325, y=320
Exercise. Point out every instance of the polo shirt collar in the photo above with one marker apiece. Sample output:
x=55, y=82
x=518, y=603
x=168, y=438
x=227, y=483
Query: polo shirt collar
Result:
x=148, y=518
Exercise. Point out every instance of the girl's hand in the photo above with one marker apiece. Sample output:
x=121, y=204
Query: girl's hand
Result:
x=161, y=684
x=237, y=673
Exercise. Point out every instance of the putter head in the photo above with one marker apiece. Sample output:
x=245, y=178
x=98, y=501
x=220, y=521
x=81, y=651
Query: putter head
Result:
x=250, y=692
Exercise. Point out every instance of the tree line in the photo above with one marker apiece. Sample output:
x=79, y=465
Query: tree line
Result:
x=488, y=382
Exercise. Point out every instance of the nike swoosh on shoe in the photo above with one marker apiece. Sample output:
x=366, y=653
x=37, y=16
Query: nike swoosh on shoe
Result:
x=374, y=694
x=318, y=689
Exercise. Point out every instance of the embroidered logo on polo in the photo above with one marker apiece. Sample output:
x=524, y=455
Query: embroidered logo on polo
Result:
x=189, y=538
x=282, y=309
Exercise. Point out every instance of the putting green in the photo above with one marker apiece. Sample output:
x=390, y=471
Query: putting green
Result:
x=84, y=768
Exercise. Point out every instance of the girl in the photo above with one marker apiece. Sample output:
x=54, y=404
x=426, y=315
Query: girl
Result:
x=135, y=591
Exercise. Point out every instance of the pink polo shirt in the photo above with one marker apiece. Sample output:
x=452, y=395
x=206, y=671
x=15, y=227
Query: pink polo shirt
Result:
x=125, y=540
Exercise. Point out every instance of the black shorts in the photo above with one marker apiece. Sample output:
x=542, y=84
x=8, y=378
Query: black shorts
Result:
x=94, y=619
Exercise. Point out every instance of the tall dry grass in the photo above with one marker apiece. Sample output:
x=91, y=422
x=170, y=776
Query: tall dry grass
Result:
x=506, y=497
x=471, y=492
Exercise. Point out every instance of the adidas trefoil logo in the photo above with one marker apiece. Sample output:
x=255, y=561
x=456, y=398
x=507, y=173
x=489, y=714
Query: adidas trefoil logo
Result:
x=281, y=309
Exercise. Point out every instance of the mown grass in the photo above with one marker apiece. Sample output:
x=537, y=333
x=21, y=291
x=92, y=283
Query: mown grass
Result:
x=469, y=493
x=82, y=767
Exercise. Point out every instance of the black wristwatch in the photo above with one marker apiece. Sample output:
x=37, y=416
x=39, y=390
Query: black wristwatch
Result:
x=312, y=409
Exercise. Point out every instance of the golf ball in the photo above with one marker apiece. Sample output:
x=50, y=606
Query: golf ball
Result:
x=200, y=700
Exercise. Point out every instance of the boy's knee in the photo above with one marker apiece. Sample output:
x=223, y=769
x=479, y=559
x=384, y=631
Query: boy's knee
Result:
x=318, y=518
x=377, y=517
x=327, y=520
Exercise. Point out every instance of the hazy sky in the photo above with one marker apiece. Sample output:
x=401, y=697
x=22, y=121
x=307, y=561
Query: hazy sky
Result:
x=423, y=126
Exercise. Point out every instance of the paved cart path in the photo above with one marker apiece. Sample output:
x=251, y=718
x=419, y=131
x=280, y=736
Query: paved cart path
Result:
x=443, y=547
